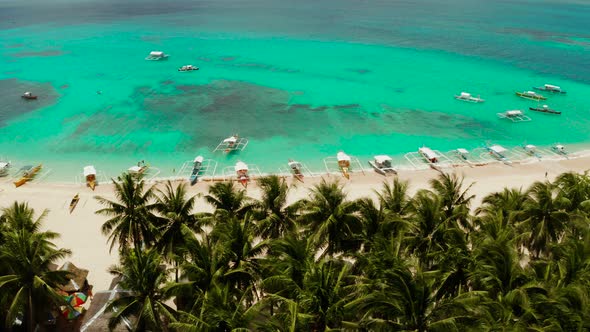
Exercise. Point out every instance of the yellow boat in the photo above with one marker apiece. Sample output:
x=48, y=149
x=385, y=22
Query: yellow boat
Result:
x=28, y=176
x=343, y=163
x=74, y=202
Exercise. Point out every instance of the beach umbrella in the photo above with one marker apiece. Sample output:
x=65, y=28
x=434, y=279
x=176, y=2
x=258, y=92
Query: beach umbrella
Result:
x=69, y=313
x=77, y=299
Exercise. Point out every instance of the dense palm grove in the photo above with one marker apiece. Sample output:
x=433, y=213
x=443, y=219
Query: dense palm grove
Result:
x=427, y=262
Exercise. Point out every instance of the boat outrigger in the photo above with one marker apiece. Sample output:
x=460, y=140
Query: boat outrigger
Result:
x=188, y=68
x=90, y=176
x=74, y=202
x=465, y=96
x=139, y=169
x=550, y=88
x=197, y=164
x=531, y=95
x=156, y=56
x=4, y=166
x=343, y=163
x=544, y=109
x=242, y=173
x=514, y=116
x=232, y=143
x=28, y=96
x=382, y=165
x=28, y=175
x=296, y=169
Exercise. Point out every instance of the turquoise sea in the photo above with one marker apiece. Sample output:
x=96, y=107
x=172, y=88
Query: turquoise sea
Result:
x=300, y=79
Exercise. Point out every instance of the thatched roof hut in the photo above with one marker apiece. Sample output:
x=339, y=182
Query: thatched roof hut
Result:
x=78, y=281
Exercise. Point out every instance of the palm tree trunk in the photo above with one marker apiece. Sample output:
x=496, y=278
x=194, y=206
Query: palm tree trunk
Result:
x=30, y=312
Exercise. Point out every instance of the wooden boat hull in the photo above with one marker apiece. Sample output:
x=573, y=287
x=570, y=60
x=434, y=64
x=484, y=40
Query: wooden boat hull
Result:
x=525, y=96
x=27, y=176
x=74, y=202
x=298, y=176
x=244, y=181
x=91, y=182
x=29, y=97
x=544, y=110
x=195, y=173
x=540, y=88
x=345, y=172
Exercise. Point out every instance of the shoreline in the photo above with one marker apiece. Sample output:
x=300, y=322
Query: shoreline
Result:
x=81, y=230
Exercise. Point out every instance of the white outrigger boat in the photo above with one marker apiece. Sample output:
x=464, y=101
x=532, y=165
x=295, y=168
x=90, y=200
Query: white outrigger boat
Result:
x=465, y=96
x=430, y=156
x=242, y=173
x=531, y=150
x=550, y=88
x=197, y=164
x=344, y=163
x=498, y=151
x=531, y=95
x=4, y=166
x=188, y=68
x=559, y=149
x=514, y=116
x=90, y=176
x=382, y=165
x=232, y=143
x=296, y=169
x=139, y=169
x=462, y=153
x=157, y=56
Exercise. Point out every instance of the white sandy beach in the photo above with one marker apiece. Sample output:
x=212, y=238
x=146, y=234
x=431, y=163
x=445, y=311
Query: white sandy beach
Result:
x=80, y=231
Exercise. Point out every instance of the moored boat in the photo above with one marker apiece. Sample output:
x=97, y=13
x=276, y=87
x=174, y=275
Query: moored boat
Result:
x=242, y=173
x=156, y=56
x=498, y=152
x=466, y=96
x=544, y=109
x=139, y=169
x=197, y=164
x=531, y=95
x=428, y=154
x=382, y=165
x=550, y=88
x=559, y=149
x=74, y=202
x=29, y=96
x=343, y=163
x=28, y=175
x=530, y=149
x=4, y=166
x=90, y=176
x=514, y=116
x=296, y=169
x=462, y=153
x=188, y=68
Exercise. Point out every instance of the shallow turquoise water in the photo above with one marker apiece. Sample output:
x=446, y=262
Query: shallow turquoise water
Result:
x=368, y=80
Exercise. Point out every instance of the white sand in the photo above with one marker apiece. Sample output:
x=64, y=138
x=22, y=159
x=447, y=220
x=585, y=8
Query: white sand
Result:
x=80, y=231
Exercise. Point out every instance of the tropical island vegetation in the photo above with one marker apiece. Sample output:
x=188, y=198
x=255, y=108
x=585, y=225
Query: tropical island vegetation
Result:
x=520, y=261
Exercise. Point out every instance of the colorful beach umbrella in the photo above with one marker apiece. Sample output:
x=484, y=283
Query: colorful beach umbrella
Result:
x=77, y=299
x=70, y=313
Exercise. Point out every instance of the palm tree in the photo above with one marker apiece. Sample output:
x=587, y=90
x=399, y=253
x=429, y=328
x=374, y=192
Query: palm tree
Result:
x=544, y=217
x=131, y=218
x=275, y=217
x=26, y=255
x=21, y=217
x=509, y=202
x=331, y=219
x=454, y=200
x=227, y=199
x=179, y=223
x=143, y=276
